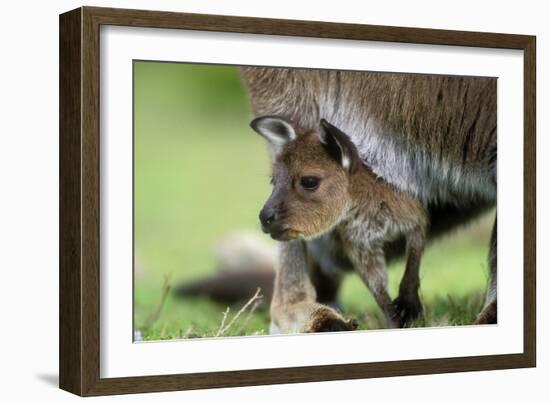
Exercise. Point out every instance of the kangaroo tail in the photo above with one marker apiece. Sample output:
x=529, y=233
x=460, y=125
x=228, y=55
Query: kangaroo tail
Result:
x=245, y=263
x=230, y=287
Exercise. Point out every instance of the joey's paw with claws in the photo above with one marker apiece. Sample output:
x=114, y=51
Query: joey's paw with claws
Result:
x=329, y=320
x=407, y=310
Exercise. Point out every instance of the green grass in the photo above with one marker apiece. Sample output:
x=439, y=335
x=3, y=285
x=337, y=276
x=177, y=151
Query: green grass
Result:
x=200, y=172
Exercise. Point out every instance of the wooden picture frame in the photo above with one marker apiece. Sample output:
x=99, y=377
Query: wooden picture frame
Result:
x=80, y=199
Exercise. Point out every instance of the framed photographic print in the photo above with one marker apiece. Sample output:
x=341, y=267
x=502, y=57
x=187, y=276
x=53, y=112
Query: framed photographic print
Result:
x=249, y=201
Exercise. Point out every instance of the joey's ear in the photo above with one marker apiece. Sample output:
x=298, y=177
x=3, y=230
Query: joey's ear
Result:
x=339, y=146
x=277, y=131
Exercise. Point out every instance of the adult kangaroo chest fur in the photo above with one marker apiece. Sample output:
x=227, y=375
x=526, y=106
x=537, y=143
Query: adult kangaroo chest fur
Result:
x=431, y=136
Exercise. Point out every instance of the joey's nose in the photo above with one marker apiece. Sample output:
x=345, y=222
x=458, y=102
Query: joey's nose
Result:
x=267, y=218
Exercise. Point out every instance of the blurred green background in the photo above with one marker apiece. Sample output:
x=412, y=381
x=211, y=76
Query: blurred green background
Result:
x=201, y=173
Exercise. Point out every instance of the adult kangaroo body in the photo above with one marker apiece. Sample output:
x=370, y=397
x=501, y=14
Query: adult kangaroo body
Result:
x=433, y=137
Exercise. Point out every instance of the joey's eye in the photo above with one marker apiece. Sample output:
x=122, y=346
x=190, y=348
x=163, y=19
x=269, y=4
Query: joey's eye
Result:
x=310, y=182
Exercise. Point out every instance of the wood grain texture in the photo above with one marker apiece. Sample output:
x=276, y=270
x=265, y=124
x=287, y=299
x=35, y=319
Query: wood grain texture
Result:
x=80, y=200
x=315, y=29
x=530, y=203
x=70, y=271
x=90, y=202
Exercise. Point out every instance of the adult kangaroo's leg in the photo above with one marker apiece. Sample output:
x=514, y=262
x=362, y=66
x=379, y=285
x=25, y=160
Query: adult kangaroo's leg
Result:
x=327, y=264
x=294, y=307
x=326, y=285
x=489, y=313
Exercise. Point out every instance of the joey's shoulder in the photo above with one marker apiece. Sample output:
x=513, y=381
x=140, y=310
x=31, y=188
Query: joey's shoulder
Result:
x=388, y=213
x=397, y=203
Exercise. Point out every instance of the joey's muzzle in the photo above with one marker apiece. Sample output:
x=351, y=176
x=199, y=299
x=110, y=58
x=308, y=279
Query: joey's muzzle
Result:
x=268, y=217
x=272, y=223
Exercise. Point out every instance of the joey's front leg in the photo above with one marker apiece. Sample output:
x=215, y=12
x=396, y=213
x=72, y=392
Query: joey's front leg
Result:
x=371, y=265
x=294, y=308
x=407, y=305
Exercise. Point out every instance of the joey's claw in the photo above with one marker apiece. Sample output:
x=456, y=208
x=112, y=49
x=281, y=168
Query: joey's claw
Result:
x=407, y=310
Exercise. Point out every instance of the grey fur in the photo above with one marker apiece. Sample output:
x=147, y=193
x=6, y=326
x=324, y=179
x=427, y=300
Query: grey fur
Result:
x=433, y=137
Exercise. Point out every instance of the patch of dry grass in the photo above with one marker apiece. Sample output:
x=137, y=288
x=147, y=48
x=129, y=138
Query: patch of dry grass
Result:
x=237, y=324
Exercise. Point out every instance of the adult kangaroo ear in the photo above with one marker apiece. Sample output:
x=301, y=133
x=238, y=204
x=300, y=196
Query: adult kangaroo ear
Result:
x=276, y=130
x=339, y=146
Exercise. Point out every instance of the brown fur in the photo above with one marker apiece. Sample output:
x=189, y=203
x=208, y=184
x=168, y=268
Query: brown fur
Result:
x=433, y=137
x=325, y=321
x=351, y=201
x=307, y=214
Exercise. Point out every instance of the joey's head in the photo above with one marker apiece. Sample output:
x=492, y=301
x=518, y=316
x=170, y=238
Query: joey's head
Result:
x=311, y=174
